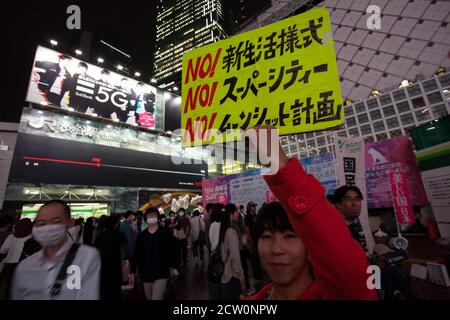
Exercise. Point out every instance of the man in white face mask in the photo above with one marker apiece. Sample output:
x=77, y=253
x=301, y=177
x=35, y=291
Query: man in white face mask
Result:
x=61, y=270
x=154, y=257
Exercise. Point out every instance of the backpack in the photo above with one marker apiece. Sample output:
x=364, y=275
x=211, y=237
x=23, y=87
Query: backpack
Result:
x=216, y=266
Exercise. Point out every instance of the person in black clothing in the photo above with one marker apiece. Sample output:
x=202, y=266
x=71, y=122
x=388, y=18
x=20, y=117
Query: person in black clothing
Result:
x=153, y=257
x=109, y=243
x=88, y=231
x=53, y=79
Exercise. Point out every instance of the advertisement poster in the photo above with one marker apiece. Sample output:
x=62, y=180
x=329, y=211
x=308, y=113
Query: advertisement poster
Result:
x=236, y=188
x=390, y=155
x=284, y=74
x=65, y=82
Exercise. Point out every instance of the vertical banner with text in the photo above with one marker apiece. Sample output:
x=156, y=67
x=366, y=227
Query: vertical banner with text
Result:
x=284, y=74
x=351, y=172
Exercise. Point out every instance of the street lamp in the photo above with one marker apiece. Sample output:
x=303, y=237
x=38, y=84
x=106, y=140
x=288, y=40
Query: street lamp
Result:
x=120, y=67
x=53, y=42
x=137, y=74
x=153, y=80
x=100, y=60
x=78, y=52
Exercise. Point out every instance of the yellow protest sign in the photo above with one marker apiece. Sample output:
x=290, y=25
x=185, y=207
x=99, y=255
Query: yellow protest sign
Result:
x=284, y=74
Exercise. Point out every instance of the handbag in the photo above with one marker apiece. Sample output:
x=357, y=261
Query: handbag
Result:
x=56, y=288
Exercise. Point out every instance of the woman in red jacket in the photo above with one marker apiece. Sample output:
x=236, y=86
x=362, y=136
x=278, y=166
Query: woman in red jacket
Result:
x=303, y=242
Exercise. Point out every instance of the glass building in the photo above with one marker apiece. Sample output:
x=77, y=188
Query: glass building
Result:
x=183, y=25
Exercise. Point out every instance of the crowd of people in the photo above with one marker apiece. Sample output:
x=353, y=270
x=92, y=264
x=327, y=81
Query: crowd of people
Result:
x=299, y=247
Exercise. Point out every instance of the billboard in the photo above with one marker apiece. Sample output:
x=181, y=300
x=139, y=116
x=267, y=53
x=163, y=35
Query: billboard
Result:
x=65, y=82
x=45, y=160
x=284, y=74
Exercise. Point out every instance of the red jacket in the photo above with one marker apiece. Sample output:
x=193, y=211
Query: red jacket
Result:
x=339, y=263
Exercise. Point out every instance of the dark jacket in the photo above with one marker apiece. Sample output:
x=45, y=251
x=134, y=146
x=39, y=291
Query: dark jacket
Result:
x=154, y=255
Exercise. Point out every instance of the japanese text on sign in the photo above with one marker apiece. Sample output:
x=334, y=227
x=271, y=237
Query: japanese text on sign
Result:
x=284, y=74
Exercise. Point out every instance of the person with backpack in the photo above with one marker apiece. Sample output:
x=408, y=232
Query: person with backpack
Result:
x=225, y=270
x=215, y=263
x=233, y=274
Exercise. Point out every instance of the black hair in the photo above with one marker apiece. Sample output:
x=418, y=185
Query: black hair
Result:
x=241, y=207
x=82, y=65
x=217, y=211
x=129, y=213
x=209, y=207
x=89, y=221
x=225, y=223
x=196, y=213
x=230, y=208
x=63, y=204
x=340, y=193
x=271, y=217
x=151, y=210
x=111, y=221
x=23, y=228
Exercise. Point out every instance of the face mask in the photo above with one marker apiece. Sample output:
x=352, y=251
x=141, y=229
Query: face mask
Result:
x=181, y=214
x=49, y=235
x=152, y=221
x=172, y=218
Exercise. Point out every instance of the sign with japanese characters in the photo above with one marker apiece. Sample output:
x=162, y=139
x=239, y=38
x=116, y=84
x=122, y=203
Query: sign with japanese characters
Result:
x=401, y=198
x=284, y=74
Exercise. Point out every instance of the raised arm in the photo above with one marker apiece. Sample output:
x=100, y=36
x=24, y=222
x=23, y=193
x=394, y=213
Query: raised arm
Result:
x=338, y=261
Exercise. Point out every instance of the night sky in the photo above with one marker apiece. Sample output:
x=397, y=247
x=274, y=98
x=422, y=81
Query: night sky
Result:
x=27, y=24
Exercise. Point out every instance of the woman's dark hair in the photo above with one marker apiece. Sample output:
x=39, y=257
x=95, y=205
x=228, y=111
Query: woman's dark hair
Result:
x=271, y=217
x=23, y=228
x=101, y=224
x=340, y=193
x=196, y=213
x=217, y=211
x=225, y=223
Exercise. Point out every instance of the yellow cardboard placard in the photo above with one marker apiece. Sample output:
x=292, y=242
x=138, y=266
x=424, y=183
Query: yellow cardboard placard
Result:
x=284, y=74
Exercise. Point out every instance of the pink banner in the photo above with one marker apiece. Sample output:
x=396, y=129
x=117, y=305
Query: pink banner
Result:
x=386, y=156
x=401, y=198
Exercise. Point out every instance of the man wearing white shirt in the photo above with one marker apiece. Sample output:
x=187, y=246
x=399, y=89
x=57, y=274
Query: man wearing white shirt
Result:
x=35, y=277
